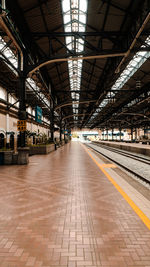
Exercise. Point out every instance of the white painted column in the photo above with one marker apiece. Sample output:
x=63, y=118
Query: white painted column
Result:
x=7, y=128
x=4, y=4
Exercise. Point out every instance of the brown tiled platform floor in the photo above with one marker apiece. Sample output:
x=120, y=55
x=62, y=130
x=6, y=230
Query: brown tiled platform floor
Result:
x=61, y=210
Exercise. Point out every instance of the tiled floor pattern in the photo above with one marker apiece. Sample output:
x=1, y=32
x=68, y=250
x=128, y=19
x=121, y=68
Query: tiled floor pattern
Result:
x=61, y=210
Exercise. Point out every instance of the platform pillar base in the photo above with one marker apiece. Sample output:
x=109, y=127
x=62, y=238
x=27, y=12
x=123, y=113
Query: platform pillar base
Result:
x=23, y=155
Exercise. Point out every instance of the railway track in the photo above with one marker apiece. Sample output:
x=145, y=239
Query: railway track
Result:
x=125, y=153
x=96, y=148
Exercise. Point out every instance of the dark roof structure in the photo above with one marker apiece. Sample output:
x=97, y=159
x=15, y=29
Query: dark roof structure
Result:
x=110, y=86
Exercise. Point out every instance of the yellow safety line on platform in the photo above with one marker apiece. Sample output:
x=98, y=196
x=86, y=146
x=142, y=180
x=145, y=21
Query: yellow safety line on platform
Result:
x=108, y=166
x=143, y=217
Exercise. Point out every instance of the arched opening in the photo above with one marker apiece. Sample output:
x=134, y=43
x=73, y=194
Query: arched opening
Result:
x=18, y=140
x=12, y=141
x=2, y=140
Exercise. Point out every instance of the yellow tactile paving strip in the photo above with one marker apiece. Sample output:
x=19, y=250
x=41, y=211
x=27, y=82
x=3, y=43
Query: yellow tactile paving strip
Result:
x=138, y=211
x=61, y=210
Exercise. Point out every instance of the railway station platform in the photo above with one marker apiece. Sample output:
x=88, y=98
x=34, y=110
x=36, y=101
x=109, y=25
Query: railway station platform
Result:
x=70, y=208
x=132, y=147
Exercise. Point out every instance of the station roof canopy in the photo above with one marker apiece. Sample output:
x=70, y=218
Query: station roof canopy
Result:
x=90, y=56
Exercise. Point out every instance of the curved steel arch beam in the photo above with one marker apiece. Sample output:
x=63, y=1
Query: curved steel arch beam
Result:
x=74, y=115
x=74, y=58
x=73, y=102
x=136, y=114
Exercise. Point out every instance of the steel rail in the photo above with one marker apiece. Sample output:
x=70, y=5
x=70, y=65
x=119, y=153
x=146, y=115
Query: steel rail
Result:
x=121, y=165
x=124, y=153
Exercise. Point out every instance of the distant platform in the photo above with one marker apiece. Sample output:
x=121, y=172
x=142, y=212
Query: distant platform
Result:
x=132, y=147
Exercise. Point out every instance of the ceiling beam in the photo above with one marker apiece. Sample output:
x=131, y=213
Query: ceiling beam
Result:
x=73, y=102
x=104, y=34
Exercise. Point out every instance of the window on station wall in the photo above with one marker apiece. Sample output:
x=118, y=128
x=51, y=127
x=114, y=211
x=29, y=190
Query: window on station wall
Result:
x=3, y=93
x=33, y=112
x=32, y=86
x=2, y=140
x=29, y=110
x=13, y=100
x=7, y=52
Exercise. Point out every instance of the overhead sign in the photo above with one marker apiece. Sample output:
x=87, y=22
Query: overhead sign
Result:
x=21, y=125
x=38, y=114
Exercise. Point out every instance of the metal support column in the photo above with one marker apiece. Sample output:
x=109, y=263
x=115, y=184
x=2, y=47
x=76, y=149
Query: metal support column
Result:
x=132, y=134
x=64, y=133
x=7, y=123
x=112, y=134
x=145, y=132
x=135, y=134
x=69, y=134
x=22, y=63
x=52, y=124
x=107, y=133
x=120, y=133
x=60, y=133
x=22, y=108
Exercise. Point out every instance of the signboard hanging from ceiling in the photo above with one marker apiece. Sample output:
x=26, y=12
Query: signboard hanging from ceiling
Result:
x=38, y=114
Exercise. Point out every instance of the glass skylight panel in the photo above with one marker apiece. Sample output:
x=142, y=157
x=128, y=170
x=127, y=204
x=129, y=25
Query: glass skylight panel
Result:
x=33, y=87
x=66, y=18
x=66, y=5
x=2, y=43
x=137, y=61
x=83, y=5
x=6, y=51
x=68, y=40
x=82, y=18
x=67, y=28
x=74, y=15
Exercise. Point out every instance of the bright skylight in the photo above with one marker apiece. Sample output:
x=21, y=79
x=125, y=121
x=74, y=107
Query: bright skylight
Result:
x=31, y=85
x=75, y=16
x=6, y=51
x=136, y=62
